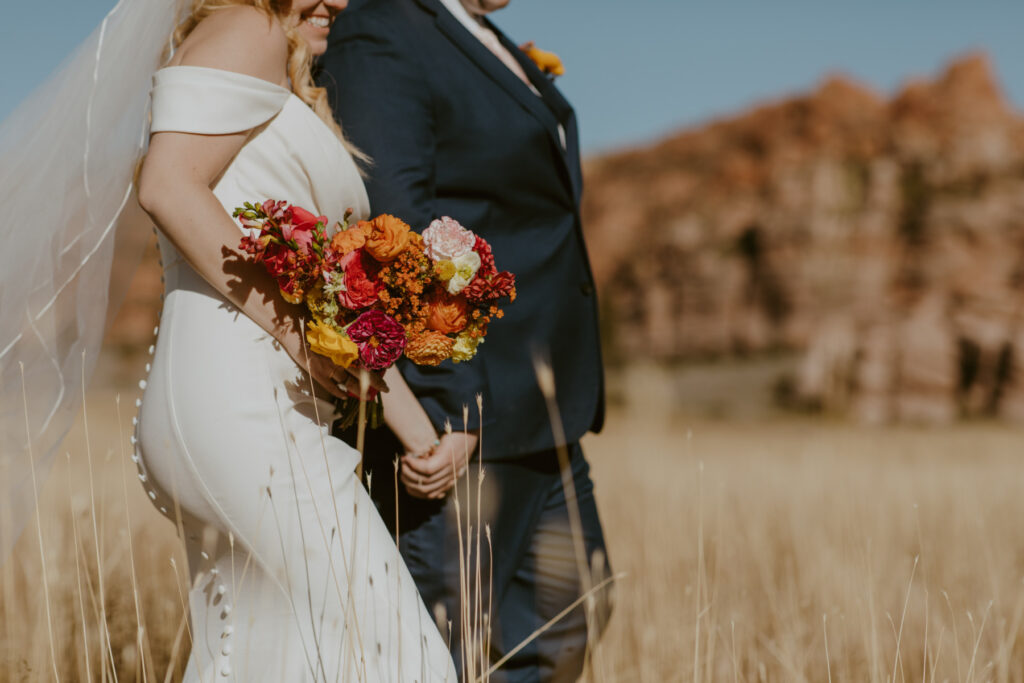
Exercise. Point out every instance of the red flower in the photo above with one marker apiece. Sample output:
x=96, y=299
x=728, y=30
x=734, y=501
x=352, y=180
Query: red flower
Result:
x=274, y=209
x=278, y=259
x=253, y=243
x=381, y=340
x=483, y=249
x=301, y=228
x=482, y=290
x=293, y=270
x=361, y=284
x=287, y=240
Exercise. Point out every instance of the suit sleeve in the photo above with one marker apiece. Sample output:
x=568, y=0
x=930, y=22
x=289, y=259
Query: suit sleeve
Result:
x=384, y=103
x=384, y=107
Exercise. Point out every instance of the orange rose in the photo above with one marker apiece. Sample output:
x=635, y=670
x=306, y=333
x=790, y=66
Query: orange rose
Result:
x=388, y=238
x=447, y=314
x=429, y=348
x=348, y=240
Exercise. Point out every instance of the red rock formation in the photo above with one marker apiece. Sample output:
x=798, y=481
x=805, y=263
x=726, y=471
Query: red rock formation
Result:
x=885, y=240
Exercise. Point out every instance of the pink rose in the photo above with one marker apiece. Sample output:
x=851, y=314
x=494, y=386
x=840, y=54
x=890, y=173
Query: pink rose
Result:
x=446, y=240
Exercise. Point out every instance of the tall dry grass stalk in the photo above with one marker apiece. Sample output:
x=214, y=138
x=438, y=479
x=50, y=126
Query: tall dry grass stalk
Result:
x=807, y=551
x=546, y=381
x=754, y=552
x=39, y=530
x=106, y=558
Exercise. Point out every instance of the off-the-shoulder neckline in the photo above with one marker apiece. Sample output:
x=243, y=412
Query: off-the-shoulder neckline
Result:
x=232, y=74
x=252, y=79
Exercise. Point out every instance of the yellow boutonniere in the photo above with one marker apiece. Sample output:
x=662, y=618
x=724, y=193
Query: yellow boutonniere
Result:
x=547, y=62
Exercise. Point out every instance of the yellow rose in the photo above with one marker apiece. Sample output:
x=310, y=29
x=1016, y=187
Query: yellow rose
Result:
x=327, y=341
x=465, y=347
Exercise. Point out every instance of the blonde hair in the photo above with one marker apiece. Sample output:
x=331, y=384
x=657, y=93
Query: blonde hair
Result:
x=300, y=57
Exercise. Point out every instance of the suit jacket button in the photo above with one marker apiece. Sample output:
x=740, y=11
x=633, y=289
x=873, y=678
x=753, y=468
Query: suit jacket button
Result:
x=587, y=289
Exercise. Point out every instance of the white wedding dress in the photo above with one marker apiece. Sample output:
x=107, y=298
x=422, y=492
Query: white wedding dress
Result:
x=295, y=577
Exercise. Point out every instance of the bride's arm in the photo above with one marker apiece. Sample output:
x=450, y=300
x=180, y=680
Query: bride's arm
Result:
x=406, y=417
x=180, y=168
x=430, y=465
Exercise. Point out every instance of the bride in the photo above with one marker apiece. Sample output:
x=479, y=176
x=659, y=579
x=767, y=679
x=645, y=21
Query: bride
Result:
x=230, y=429
x=294, y=576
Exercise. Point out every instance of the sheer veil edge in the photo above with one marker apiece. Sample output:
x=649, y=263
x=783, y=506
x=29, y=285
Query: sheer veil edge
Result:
x=72, y=233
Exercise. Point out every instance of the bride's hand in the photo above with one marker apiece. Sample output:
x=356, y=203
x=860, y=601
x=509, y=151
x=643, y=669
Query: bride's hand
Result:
x=432, y=476
x=334, y=378
x=338, y=381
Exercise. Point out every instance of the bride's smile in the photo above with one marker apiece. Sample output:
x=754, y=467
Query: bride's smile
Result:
x=313, y=19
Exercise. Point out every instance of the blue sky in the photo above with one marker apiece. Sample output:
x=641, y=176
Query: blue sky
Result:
x=638, y=69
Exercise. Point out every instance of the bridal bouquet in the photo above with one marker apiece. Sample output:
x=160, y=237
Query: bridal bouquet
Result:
x=377, y=290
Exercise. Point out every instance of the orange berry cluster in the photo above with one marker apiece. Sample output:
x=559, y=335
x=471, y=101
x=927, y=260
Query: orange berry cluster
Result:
x=405, y=281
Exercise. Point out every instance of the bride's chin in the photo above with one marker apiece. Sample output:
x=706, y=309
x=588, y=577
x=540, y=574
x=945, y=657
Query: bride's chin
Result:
x=317, y=43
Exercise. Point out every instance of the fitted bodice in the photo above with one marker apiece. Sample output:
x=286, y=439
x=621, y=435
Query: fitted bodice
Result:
x=291, y=156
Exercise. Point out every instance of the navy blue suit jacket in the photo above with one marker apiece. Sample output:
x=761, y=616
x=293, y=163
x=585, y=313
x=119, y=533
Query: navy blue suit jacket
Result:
x=453, y=132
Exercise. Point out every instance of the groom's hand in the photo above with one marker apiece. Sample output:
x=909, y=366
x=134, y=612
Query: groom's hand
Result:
x=431, y=477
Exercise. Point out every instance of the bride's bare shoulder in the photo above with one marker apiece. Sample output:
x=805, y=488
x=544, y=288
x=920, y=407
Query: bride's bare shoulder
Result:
x=240, y=38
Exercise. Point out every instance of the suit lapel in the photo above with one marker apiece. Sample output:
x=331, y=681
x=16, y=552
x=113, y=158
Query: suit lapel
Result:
x=558, y=105
x=497, y=71
x=552, y=97
x=489, y=63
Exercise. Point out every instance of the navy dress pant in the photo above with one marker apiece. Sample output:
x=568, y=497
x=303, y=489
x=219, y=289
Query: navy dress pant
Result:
x=535, y=573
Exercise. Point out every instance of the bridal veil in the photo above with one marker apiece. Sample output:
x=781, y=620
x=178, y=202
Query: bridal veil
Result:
x=71, y=232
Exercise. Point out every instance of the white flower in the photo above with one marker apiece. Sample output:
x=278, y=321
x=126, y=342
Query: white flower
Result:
x=334, y=283
x=465, y=347
x=466, y=266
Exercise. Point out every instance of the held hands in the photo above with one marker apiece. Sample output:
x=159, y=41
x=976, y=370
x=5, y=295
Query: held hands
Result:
x=433, y=475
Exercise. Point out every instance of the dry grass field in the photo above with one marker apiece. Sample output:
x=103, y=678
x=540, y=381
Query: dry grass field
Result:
x=755, y=551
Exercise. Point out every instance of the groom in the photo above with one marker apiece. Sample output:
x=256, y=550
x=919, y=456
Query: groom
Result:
x=458, y=121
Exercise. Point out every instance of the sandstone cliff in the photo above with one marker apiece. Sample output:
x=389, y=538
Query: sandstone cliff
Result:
x=883, y=239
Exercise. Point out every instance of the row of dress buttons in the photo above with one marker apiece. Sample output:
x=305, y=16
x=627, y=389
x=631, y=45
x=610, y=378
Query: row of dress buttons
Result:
x=228, y=630
x=137, y=456
x=225, y=612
